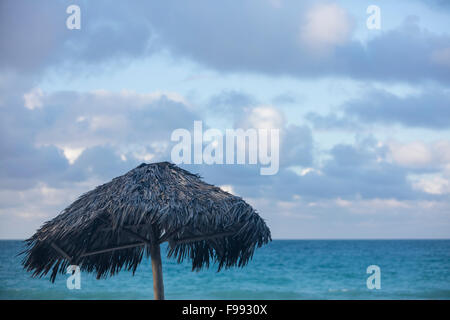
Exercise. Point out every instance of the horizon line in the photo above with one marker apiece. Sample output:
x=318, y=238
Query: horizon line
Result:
x=308, y=239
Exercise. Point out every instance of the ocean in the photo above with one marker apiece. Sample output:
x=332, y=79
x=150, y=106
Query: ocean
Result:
x=284, y=269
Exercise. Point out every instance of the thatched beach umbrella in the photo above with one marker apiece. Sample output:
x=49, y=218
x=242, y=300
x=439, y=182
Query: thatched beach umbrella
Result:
x=110, y=227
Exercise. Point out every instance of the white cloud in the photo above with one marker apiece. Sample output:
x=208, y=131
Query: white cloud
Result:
x=72, y=154
x=99, y=122
x=302, y=171
x=142, y=99
x=434, y=156
x=143, y=156
x=360, y=218
x=227, y=188
x=326, y=26
x=22, y=212
x=413, y=154
x=370, y=205
x=133, y=123
x=433, y=185
x=343, y=203
x=33, y=99
x=418, y=154
x=262, y=117
x=379, y=204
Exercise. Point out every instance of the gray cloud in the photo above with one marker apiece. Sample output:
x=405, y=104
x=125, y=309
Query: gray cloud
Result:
x=425, y=110
x=264, y=39
x=436, y=4
x=229, y=102
x=332, y=121
x=30, y=33
x=34, y=36
x=351, y=172
x=116, y=131
x=297, y=146
x=284, y=98
x=261, y=38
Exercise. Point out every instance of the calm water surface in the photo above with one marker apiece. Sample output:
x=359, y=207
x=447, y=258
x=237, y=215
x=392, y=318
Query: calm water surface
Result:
x=284, y=269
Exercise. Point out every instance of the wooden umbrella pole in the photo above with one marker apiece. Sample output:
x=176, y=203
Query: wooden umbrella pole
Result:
x=158, y=285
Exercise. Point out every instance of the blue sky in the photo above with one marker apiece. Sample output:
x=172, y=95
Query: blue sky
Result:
x=364, y=114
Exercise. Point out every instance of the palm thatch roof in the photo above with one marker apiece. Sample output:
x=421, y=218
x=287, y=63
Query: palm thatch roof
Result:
x=112, y=226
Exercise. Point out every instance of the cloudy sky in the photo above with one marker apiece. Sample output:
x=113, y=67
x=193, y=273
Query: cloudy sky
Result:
x=364, y=114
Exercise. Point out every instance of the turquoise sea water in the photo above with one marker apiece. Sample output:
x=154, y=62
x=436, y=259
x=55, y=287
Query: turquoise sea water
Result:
x=284, y=269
